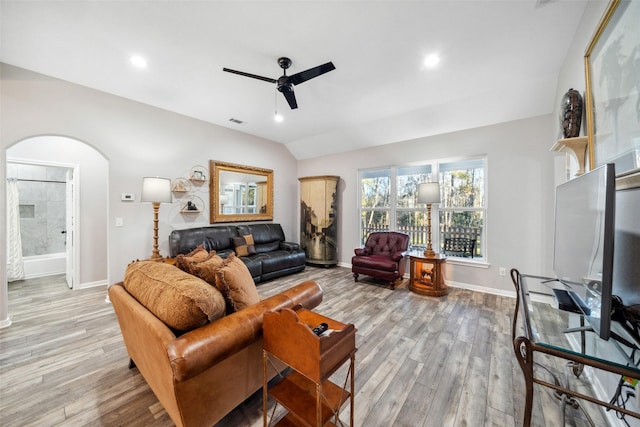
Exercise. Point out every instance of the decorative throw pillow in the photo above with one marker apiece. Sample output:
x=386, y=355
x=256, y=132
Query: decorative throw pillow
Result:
x=206, y=270
x=234, y=281
x=182, y=301
x=244, y=245
x=199, y=254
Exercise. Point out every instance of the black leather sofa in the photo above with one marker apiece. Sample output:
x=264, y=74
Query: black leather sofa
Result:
x=274, y=256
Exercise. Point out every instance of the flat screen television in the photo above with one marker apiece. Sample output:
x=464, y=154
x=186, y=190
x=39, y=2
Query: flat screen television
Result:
x=583, y=243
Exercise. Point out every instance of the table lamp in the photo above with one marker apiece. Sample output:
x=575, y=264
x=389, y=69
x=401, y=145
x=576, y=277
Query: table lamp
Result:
x=429, y=193
x=156, y=190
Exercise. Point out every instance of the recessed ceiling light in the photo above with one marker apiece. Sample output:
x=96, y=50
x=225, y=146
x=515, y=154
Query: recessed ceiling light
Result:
x=432, y=60
x=138, y=61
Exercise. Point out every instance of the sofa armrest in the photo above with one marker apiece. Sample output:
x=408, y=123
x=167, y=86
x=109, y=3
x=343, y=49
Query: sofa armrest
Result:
x=397, y=256
x=361, y=251
x=289, y=246
x=198, y=350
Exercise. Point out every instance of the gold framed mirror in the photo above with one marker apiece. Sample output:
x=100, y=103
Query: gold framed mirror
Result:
x=239, y=193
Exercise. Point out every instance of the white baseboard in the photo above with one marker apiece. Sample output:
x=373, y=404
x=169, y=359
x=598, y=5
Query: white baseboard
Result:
x=475, y=288
x=91, y=284
x=5, y=322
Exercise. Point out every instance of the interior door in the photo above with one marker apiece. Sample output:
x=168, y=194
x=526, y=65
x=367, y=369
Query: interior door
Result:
x=70, y=228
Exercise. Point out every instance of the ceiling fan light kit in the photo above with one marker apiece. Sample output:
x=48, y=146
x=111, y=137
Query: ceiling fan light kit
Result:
x=286, y=83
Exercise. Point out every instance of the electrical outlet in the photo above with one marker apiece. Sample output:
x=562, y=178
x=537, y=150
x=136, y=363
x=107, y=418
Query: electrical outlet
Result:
x=502, y=271
x=119, y=222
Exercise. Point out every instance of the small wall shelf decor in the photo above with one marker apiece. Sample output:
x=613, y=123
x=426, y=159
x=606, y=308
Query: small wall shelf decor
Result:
x=192, y=205
x=198, y=174
x=181, y=185
x=576, y=146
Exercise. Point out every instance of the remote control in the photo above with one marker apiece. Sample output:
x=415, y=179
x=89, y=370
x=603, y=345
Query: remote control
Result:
x=318, y=330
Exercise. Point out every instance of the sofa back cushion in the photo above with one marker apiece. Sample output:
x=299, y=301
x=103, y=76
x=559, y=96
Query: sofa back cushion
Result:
x=182, y=301
x=218, y=238
x=266, y=237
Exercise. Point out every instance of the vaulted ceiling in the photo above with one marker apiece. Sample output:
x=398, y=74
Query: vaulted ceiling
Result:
x=499, y=61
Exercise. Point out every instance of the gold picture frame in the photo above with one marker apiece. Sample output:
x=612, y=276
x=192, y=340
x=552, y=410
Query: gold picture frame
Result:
x=239, y=193
x=613, y=89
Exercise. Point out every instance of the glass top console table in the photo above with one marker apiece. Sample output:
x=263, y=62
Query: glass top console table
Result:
x=544, y=331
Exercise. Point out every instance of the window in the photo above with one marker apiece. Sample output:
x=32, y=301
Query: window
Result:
x=241, y=198
x=375, y=205
x=388, y=201
x=462, y=208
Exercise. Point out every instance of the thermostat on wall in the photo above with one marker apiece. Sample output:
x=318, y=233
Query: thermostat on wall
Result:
x=128, y=197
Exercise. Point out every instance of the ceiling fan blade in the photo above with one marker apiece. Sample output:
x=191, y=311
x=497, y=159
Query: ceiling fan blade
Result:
x=291, y=99
x=303, y=76
x=253, y=76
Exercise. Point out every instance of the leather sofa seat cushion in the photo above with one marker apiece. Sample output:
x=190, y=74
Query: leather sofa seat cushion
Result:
x=280, y=260
x=376, y=262
x=236, y=284
x=180, y=300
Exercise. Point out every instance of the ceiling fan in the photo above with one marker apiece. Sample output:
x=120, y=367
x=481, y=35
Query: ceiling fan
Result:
x=285, y=83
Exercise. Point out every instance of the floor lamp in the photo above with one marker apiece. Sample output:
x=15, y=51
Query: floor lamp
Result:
x=223, y=201
x=429, y=193
x=156, y=190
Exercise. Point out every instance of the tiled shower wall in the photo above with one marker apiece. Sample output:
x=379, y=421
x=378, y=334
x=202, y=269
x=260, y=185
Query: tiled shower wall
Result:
x=42, y=208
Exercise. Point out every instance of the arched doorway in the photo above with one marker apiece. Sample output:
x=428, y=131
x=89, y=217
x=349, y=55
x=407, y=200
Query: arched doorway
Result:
x=87, y=169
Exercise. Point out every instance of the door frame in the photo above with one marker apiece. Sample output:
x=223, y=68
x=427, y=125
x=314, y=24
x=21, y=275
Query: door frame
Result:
x=75, y=252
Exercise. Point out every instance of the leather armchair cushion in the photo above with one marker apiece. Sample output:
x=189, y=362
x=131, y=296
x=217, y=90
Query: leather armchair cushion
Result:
x=180, y=300
x=375, y=262
x=236, y=284
x=388, y=244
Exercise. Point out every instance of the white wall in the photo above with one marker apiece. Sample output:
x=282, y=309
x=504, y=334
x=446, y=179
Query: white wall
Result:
x=627, y=245
x=137, y=140
x=520, y=193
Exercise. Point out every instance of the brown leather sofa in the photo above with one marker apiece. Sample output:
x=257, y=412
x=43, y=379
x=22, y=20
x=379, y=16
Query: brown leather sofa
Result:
x=201, y=375
x=382, y=256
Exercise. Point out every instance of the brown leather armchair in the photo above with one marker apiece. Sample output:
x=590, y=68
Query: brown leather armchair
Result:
x=382, y=256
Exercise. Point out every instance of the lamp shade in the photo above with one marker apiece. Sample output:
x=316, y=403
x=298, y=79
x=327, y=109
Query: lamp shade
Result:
x=156, y=190
x=223, y=199
x=428, y=193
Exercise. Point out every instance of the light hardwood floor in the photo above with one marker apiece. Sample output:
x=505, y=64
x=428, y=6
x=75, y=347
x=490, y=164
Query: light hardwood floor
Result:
x=421, y=361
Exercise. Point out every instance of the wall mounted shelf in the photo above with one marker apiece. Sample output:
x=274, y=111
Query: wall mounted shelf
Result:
x=576, y=146
x=192, y=205
x=180, y=186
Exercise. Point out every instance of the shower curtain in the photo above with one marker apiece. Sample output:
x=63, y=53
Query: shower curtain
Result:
x=15, y=266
